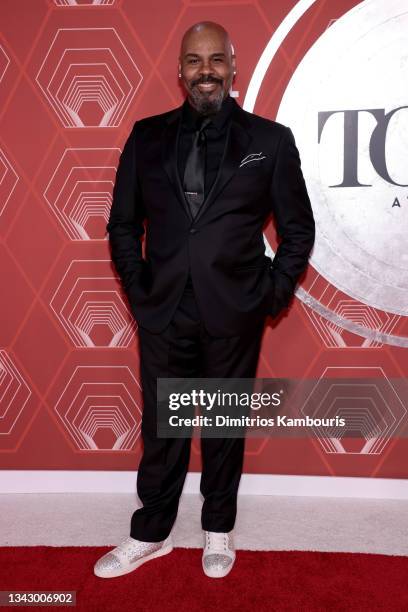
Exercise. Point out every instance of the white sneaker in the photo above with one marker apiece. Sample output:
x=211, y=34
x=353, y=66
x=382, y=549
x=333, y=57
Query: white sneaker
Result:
x=218, y=555
x=129, y=555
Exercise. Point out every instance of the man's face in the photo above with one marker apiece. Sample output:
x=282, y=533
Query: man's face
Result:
x=206, y=66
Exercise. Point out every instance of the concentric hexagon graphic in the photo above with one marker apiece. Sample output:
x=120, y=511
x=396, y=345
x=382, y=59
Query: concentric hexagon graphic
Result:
x=89, y=84
x=98, y=413
x=331, y=329
x=14, y=394
x=90, y=308
x=80, y=191
x=8, y=181
x=371, y=407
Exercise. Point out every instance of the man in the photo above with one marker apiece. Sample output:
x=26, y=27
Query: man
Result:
x=204, y=177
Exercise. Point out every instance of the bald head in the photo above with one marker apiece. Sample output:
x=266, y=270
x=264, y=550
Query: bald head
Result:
x=205, y=27
x=206, y=65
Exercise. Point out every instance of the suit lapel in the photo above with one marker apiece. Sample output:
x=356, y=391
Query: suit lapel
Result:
x=169, y=147
x=237, y=143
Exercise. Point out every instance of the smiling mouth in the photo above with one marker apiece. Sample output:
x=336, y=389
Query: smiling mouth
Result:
x=207, y=86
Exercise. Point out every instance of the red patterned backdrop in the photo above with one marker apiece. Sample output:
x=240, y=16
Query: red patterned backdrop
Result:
x=75, y=75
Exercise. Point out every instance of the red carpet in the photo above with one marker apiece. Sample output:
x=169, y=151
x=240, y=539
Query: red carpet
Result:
x=259, y=581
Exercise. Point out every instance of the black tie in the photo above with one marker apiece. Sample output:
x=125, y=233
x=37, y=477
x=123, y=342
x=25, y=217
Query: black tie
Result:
x=194, y=173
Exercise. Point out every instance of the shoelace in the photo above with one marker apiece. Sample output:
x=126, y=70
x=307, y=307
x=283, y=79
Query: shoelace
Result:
x=217, y=541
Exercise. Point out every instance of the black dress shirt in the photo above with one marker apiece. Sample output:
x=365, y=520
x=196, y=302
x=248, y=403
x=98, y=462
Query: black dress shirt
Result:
x=216, y=134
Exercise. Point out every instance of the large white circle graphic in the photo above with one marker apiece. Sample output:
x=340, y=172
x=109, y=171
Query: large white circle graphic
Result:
x=341, y=105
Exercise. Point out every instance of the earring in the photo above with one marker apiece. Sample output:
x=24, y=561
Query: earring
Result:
x=179, y=75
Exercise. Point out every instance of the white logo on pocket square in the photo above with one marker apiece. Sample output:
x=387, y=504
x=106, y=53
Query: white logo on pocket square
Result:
x=251, y=157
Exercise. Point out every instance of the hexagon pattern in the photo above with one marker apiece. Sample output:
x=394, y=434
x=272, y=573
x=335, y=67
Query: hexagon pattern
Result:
x=80, y=191
x=72, y=88
x=91, y=309
x=89, y=83
x=94, y=419
x=371, y=407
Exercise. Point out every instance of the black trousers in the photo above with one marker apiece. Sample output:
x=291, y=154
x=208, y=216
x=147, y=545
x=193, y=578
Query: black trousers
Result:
x=185, y=349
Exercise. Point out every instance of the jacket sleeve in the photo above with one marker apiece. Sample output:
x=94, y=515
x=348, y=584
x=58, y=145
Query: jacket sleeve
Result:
x=294, y=222
x=126, y=218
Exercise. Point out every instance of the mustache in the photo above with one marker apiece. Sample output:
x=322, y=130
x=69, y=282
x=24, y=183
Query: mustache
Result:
x=206, y=79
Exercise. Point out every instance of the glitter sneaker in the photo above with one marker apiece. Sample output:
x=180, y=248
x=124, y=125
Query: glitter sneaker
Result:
x=218, y=555
x=129, y=555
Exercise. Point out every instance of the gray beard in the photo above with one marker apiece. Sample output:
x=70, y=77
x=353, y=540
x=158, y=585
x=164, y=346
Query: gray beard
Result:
x=203, y=105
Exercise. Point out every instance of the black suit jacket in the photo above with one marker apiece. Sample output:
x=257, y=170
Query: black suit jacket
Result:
x=235, y=283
